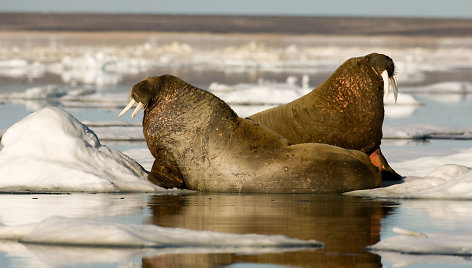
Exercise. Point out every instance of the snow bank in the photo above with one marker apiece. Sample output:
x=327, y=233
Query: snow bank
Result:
x=408, y=242
x=73, y=232
x=50, y=151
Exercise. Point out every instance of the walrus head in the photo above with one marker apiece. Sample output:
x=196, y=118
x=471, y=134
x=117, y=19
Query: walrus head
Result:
x=146, y=92
x=383, y=65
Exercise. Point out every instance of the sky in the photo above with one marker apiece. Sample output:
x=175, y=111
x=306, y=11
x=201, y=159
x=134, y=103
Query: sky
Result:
x=377, y=8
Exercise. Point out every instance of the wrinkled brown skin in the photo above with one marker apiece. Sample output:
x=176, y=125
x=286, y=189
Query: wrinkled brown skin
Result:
x=200, y=143
x=347, y=110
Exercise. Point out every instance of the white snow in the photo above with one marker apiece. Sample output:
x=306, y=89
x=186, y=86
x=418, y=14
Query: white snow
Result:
x=50, y=151
x=440, y=243
x=78, y=232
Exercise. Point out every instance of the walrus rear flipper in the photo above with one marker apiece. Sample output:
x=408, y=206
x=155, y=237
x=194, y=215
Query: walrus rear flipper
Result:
x=378, y=160
x=165, y=171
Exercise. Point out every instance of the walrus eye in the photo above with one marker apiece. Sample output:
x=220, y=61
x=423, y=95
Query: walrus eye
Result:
x=130, y=104
x=393, y=80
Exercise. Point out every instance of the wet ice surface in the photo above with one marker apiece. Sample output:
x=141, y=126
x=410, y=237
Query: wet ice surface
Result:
x=92, y=84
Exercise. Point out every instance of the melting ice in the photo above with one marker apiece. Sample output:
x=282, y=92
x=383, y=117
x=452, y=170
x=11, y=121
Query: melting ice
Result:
x=74, y=232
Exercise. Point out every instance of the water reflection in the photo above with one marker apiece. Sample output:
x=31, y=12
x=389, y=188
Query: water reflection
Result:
x=345, y=224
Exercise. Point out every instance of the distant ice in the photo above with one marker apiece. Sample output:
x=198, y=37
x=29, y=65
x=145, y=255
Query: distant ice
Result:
x=426, y=131
x=50, y=151
x=36, y=98
x=106, y=64
x=76, y=232
x=262, y=93
x=452, y=87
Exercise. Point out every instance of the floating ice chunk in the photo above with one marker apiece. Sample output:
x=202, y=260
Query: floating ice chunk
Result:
x=264, y=93
x=455, y=87
x=35, y=93
x=405, y=106
x=446, y=182
x=73, y=232
x=426, y=131
x=50, y=151
x=457, y=244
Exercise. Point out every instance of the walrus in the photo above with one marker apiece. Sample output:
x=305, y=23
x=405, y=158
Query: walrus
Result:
x=347, y=110
x=200, y=143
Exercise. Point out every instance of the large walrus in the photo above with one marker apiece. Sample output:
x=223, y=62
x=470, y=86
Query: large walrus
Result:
x=199, y=143
x=347, y=110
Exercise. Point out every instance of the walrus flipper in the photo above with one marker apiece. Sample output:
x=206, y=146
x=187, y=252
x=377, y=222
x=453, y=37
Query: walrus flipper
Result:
x=165, y=171
x=378, y=160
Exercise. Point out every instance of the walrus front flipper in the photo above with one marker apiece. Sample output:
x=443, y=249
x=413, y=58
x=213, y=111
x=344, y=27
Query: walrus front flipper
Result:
x=378, y=160
x=165, y=172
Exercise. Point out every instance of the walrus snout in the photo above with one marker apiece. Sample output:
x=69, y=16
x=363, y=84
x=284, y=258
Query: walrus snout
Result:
x=148, y=90
x=141, y=93
x=385, y=66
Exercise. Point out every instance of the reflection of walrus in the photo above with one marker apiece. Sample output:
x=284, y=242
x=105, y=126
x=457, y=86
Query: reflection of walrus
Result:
x=347, y=110
x=200, y=143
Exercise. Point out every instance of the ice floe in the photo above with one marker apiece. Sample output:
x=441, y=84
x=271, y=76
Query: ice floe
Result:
x=77, y=232
x=70, y=97
x=50, y=151
x=445, y=177
x=426, y=131
x=452, y=87
x=409, y=242
x=92, y=242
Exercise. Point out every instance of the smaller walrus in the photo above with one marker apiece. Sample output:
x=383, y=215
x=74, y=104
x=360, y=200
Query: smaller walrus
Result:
x=199, y=143
x=347, y=110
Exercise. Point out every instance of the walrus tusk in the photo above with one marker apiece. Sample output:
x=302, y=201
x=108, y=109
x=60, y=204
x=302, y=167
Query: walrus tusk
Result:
x=130, y=104
x=386, y=85
x=393, y=81
x=395, y=87
x=139, y=107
